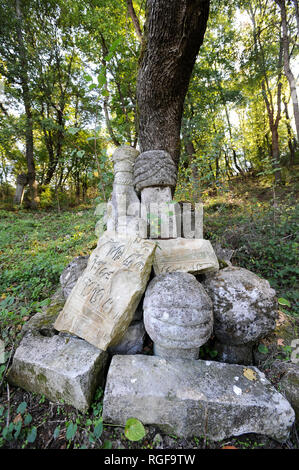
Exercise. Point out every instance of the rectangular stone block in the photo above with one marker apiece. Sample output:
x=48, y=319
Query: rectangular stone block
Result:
x=195, y=398
x=59, y=367
x=184, y=254
x=103, y=302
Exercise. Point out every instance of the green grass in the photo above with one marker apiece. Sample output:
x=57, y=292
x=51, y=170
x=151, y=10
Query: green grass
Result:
x=35, y=247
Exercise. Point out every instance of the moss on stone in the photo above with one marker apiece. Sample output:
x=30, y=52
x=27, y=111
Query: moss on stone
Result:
x=41, y=378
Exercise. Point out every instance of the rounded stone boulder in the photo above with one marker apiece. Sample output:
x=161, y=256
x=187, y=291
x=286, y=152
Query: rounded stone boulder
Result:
x=178, y=315
x=245, y=306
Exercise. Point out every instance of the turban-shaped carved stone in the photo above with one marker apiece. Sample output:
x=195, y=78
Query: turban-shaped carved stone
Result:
x=154, y=168
x=178, y=315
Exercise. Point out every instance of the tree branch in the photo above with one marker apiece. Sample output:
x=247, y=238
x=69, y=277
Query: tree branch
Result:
x=134, y=19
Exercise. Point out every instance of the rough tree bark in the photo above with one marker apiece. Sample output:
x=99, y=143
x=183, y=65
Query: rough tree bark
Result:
x=134, y=19
x=286, y=63
x=274, y=112
x=292, y=143
x=296, y=14
x=173, y=34
x=27, y=104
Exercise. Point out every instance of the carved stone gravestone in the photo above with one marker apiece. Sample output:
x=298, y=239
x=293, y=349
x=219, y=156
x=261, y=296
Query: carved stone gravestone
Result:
x=187, y=255
x=103, y=302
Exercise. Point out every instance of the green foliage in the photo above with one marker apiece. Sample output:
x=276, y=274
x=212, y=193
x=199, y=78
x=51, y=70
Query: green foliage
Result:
x=263, y=349
x=71, y=431
x=134, y=430
x=264, y=238
x=283, y=301
x=18, y=429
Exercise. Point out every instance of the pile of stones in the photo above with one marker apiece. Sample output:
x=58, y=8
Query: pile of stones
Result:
x=171, y=290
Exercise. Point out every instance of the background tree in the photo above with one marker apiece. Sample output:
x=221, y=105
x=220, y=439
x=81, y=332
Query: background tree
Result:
x=173, y=34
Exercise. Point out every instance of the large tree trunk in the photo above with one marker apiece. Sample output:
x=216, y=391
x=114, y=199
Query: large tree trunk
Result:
x=286, y=63
x=173, y=34
x=296, y=14
x=267, y=92
x=292, y=143
x=27, y=104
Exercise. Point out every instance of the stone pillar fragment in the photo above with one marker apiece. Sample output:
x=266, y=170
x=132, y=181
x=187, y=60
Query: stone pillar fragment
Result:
x=155, y=180
x=22, y=180
x=124, y=207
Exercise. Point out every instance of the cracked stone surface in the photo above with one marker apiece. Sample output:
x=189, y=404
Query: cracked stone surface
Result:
x=245, y=306
x=194, y=398
x=59, y=367
x=104, y=300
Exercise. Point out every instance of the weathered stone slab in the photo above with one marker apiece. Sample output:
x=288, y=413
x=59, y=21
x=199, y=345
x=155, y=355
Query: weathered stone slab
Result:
x=68, y=369
x=194, y=398
x=103, y=302
x=184, y=254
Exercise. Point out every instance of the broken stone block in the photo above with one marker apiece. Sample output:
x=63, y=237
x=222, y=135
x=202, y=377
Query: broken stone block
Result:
x=178, y=315
x=103, y=302
x=132, y=341
x=224, y=255
x=186, y=255
x=61, y=368
x=288, y=375
x=71, y=274
x=234, y=354
x=156, y=194
x=68, y=279
x=195, y=398
x=245, y=307
x=43, y=322
x=124, y=200
x=100, y=227
x=161, y=217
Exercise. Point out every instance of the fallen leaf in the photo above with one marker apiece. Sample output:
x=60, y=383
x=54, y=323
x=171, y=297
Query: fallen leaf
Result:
x=249, y=374
x=281, y=319
x=280, y=342
x=18, y=418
